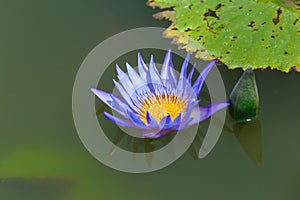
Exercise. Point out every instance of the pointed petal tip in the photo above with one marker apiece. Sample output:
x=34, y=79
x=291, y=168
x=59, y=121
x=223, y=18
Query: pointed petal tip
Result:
x=119, y=70
x=93, y=89
x=96, y=91
x=140, y=58
x=151, y=57
x=128, y=66
x=168, y=57
x=188, y=55
x=107, y=115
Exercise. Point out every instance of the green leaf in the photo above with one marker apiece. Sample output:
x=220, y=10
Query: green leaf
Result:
x=240, y=33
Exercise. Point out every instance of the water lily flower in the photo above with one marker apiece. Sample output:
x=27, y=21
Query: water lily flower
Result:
x=158, y=103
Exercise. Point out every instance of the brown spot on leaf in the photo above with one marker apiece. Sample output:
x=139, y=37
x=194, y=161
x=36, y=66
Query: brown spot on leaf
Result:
x=296, y=21
x=234, y=38
x=200, y=37
x=276, y=19
x=211, y=13
x=251, y=24
x=219, y=6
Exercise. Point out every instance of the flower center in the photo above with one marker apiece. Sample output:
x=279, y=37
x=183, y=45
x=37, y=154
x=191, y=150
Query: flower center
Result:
x=160, y=106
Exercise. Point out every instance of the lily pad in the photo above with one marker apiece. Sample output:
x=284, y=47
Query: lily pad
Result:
x=240, y=33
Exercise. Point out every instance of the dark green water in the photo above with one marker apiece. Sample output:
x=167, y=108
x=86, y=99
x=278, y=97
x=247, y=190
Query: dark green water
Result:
x=43, y=43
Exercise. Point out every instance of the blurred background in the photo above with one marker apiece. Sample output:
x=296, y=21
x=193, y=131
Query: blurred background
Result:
x=42, y=45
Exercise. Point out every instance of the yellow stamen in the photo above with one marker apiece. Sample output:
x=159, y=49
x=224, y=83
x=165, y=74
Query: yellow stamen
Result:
x=160, y=106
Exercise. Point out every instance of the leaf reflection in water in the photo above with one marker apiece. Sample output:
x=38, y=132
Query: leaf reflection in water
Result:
x=249, y=137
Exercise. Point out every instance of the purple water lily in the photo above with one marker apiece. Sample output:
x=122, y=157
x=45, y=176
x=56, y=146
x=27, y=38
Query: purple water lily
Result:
x=158, y=103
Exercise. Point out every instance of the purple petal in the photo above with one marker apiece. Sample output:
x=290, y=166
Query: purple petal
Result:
x=142, y=67
x=104, y=96
x=119, y=121
x=119, y=105
x=125, y=81
x=136, y=80
x=153, y=75
x=200, y=80
x=135, y=119
x=182, y=78
x=177, y=121
x=166, y=122
x=112, y=101
x=152, y=123
x=167, y=72
x=173, y=77
x=164, y=74
x=190, y=107
x=165, y=67
x=123, y=92
x=205, y=112
x=184, y=124
x=191, y=74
